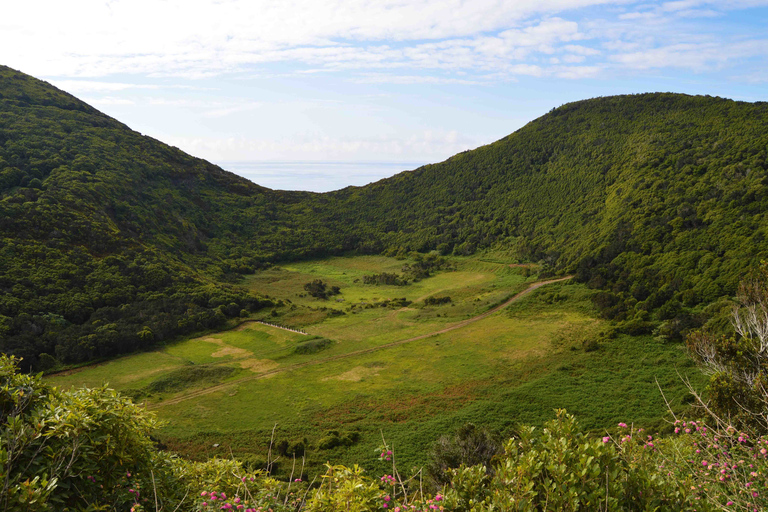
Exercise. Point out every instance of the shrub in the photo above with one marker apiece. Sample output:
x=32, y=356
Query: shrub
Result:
x=76, y=449
x=90, y=449
x=739, y=363
x=470, y=445
x=561, y=468
x=319, y=289
x=313, y=346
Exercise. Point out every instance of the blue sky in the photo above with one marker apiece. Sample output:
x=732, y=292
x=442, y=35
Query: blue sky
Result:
x=395, y=81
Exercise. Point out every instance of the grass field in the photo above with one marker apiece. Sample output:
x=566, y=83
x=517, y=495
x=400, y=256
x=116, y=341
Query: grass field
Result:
x=515, y=366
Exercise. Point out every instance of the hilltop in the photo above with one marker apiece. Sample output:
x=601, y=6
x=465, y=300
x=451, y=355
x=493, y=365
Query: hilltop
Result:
x=112, y=241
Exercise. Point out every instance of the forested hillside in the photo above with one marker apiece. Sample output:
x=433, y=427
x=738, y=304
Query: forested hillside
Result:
x=660, y=199
x=103, y=232
x=111, y=241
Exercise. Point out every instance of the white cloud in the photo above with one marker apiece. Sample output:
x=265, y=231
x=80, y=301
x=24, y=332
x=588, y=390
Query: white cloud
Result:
x=225, y=111
x=86, y=86
x=577, y=72
x=757, y=77
x=194, y=39
x=108, y=101
x=573, y=59
x=697, y=57
x=580, y=50
x=638, y=16
x=426, y=145
x=380, y=78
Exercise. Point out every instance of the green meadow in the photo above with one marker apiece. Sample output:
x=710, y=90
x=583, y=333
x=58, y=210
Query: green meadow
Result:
x=336, y=391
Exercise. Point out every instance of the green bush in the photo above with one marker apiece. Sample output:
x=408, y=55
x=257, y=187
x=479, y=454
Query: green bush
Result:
x=313, y=346
x=560, y=468
x=469, y=446
x=76, y=449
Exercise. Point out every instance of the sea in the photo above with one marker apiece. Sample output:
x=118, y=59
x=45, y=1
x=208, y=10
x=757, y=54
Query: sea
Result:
x=316, y=176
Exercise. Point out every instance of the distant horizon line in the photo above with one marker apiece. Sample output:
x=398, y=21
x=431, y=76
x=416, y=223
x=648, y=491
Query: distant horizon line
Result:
x=378, y=162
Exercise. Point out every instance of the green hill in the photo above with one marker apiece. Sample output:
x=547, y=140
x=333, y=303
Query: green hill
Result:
x=111, y=241
x=660, y=199
x=103, y=232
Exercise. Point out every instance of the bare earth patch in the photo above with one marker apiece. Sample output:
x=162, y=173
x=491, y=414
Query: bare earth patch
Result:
x=258, y=365
x=356, y=374
x=245, y=325
x=227, y=350
x=141, y=375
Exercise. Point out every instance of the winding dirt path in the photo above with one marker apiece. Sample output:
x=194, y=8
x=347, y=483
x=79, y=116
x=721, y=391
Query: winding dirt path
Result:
x=459, y=325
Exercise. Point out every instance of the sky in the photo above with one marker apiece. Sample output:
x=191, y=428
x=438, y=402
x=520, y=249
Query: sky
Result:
x=321, y=94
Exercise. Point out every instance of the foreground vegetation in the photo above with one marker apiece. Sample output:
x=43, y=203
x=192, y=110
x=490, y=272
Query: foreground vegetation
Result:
x=91, y=449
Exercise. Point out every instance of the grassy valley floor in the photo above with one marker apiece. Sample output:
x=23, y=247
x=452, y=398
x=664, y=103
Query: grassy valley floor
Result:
x=338, y=389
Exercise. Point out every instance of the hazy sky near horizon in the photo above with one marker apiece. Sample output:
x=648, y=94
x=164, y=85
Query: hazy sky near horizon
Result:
x=409, y=81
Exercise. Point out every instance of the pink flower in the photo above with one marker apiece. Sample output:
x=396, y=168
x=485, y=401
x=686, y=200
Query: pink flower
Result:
x=623, y=425
x=203, y=493
x=204, y=504
x=704, y=463
x=606, y=439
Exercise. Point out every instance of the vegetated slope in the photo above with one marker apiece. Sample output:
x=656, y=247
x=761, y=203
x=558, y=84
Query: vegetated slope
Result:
x=660, y=199
x=110, y=240
x=103, y=231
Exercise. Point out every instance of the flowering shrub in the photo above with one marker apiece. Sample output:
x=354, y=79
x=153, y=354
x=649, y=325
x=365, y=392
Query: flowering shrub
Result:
x=77, y=449
x=725, y=468
x=90, y=449
x=349, y=489
x=560, y=468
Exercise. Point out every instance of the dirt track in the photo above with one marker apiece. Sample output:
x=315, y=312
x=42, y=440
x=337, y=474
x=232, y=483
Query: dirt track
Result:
x=459, y=325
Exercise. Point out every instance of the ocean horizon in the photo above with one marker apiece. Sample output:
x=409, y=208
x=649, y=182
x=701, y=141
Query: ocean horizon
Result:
x=315, y=176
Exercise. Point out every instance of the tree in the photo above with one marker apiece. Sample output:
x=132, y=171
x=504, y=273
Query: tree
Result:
x=469, y=446
x=319, y=289
x=738, y=363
